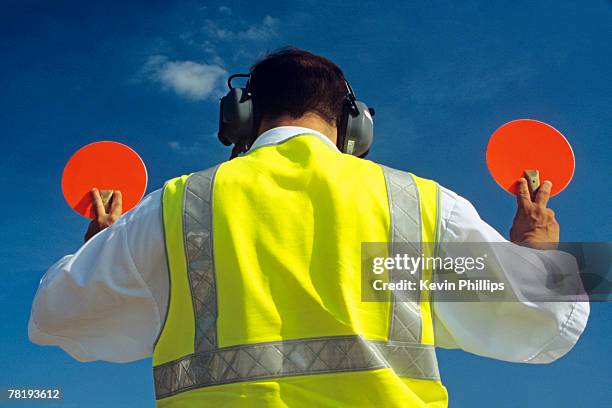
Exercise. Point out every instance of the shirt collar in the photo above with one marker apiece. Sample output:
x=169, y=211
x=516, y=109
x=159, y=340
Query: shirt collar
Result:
x=279, y=134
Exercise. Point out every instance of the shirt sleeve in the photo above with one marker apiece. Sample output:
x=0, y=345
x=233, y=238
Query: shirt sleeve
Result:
x=522, y=330
x=107, y=301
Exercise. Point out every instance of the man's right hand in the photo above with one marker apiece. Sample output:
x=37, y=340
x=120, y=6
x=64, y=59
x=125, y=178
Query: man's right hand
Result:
x=534, y=224
x=103, y=220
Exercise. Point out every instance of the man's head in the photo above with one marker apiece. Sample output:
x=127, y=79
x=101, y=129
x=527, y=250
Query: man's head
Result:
x=296, y=87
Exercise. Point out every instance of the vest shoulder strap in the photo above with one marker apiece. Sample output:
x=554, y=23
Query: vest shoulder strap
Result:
x=197, y=222
x=413, y=207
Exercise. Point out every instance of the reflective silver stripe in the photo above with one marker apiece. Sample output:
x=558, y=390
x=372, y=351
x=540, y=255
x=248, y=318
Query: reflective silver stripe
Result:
x=405, y=212
x=410, y=360
x=197, y=232
x=438, y=221
x=436, y=252
x=293, y=357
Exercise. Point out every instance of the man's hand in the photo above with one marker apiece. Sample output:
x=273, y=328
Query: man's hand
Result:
x=103, y=220
x=534, y=225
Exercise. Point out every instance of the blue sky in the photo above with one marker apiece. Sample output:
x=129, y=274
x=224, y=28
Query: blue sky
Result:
x=442, y=77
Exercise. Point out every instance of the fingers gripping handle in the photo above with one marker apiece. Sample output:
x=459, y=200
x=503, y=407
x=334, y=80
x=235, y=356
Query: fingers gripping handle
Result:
x=106, y=196
x=533, y=182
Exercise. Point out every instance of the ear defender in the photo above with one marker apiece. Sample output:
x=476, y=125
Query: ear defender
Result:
x=356, y=126
x=237, y=121
x=237, y=117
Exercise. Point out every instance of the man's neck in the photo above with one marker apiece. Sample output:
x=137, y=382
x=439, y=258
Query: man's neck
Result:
x=309, y=120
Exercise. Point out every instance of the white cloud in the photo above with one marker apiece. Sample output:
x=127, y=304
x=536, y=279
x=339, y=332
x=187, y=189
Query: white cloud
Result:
x=225, y=10
x=190, y=79
x=188, y=148
x=174, y=145
x=263, y=31
x=225, y=37
x=270, y=21
x=193, y=147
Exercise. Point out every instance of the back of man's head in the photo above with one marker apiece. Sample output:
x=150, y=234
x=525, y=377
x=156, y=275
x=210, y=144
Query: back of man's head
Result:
x=292, y=82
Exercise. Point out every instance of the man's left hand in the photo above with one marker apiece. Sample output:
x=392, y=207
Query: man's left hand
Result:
x=103, y=220
x=535, y=224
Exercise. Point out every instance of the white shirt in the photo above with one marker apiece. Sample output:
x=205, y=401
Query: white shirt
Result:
x=108, y=300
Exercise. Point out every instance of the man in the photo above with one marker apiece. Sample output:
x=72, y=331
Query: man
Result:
x=243, y=281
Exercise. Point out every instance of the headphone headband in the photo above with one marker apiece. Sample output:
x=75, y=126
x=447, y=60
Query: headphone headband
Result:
x=238, y=120
x=229, y=80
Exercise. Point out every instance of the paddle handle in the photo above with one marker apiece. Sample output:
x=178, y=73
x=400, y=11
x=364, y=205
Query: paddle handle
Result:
x=533, y=181
x=107, y=196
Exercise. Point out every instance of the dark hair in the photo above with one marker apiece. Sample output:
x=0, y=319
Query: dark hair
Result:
x=293, y=82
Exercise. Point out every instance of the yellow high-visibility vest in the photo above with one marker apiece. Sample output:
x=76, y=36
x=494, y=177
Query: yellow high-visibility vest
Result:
x=266, y=303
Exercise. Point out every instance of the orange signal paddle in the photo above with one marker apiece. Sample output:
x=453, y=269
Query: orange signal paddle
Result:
x=526, y=147
x=106, y=166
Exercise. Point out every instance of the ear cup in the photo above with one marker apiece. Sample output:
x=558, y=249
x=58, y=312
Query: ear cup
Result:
x=236, y=117
x=356, y=129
